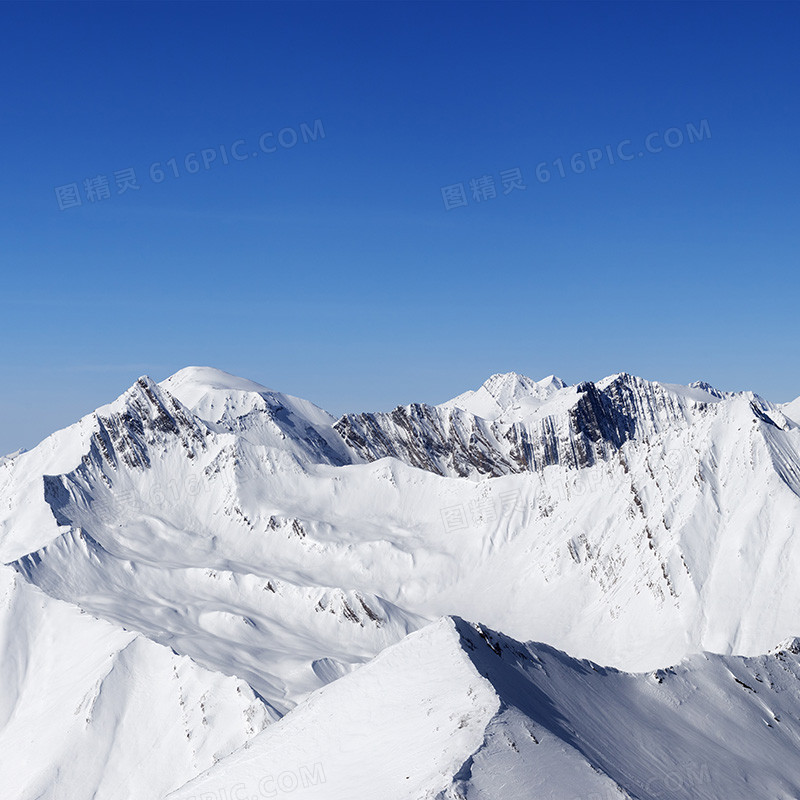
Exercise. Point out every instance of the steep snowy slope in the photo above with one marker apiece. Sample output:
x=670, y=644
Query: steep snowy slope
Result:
x=88, y=710
x=458, y=711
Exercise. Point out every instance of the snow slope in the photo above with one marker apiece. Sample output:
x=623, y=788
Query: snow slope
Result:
x=626, y=521
x=792, y=410
x=89, y=710
x=459, y=711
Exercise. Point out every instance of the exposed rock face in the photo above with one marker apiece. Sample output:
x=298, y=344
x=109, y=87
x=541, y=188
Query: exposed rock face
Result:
x=149, y=417
x=444, y=441
x=579, y=427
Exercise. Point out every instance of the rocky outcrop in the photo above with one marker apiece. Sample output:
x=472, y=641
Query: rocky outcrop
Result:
x=147, y=416
x=591, y=427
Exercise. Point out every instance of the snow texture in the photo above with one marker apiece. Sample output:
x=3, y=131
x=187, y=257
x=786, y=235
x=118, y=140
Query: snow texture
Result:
x=279, y=559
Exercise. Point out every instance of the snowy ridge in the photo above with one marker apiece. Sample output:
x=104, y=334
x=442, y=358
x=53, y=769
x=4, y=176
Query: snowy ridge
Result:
x=85, y=704
x=459, y=711
x=267, y=631
x=528, y=426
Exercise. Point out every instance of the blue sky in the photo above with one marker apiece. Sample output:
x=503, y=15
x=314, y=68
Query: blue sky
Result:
x=331, y=268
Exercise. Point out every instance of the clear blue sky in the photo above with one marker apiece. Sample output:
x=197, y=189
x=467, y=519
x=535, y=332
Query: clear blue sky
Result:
x=332, y=269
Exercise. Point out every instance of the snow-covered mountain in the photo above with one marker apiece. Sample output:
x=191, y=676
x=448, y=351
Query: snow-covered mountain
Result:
x=254, y=536
x=456, y=711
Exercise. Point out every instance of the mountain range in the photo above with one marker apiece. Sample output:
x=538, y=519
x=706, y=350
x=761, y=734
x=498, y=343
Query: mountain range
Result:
x=211, y=585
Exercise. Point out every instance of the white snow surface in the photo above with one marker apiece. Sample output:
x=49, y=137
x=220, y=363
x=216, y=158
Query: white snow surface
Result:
x=251, y=539
x=505, y=394
x=792, y=411
x=458, y=711
x=89, y=710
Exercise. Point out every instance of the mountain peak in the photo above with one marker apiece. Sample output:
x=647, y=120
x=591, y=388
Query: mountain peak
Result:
x=514, y=382
x=706, y=387
x=508, y=383
x=210, y=378
x=552, y=380
x=506, y=391
x=790, y=645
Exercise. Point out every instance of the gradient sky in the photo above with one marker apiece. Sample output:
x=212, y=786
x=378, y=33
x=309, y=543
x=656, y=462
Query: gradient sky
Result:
x=332, y=269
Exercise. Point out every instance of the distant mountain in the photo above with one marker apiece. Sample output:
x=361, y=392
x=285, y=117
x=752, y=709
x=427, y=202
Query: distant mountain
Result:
x=627, y=521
